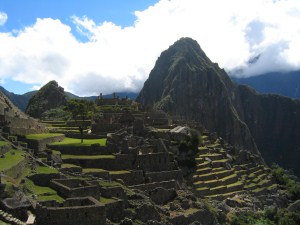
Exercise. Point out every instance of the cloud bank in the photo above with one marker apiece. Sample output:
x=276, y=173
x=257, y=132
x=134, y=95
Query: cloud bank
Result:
x=116, y=58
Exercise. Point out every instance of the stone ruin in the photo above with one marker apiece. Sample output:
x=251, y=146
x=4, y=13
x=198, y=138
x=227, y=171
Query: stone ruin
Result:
x=84, y=210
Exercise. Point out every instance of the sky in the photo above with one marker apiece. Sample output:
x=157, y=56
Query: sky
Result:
x=97, y=46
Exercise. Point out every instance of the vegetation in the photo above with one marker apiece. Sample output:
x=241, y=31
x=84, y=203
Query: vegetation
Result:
x=3, y=143
x=189, y=149
x=287, y=181
x=11, y=158
x=271, y=216
x=42, y=136
x=58, y=113
x=88, y=157
x=43, y=193
x=77, y=142
x=80, y=111
x=46, y=170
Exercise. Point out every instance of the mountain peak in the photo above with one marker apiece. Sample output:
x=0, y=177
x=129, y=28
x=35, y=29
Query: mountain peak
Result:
x=51, y=95
x=185, y=83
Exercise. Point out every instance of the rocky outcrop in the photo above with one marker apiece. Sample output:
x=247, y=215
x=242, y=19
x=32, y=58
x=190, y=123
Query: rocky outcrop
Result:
x=48, y=97
x=185, y=83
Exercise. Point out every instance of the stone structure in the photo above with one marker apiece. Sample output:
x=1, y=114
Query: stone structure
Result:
x=70, y=188
x=83, y=211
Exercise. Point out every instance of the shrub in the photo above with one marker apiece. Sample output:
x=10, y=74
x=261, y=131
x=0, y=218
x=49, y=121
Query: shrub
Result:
x=287, y=181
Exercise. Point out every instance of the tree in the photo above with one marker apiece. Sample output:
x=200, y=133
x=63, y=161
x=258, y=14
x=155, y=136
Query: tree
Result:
x=81, y=110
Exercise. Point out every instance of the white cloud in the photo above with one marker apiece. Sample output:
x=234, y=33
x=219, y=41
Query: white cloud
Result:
x=115, y=58
x=3, y=18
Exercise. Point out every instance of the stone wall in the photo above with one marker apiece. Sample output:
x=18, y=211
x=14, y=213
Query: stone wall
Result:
x=83, y=211
x=96, y=128
x=22, y=126
x=80, y=150
x=132, y=178
x=70, y=188
x=44, y=179
x=164, y=175
x=151, y=186
x=4, y=149
x=153, y=162
x=40, y=145
x=120, y=162
x=115, y=210
x=85, y=136
x=110, y=192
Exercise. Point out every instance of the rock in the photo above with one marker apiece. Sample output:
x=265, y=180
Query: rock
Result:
x=154, y=222
x=185, y=204
x=173, y=206
x=126, y=221
x=147, y=212
x=234, y=203
x=242, y=157
x=196, y=223
x=295, y=206
x=161, y=195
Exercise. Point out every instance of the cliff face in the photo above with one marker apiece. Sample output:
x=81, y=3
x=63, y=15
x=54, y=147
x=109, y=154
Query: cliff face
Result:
x=274, y=122
x=49, y=96
x=184, y=82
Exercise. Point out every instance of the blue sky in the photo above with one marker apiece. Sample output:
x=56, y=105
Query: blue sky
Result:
x=25, y=12
x=97, y=46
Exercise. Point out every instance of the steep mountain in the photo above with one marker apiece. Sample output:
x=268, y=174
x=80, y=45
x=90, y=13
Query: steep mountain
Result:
x=185, y=83
x=285, y=83
x=49, y=96
x=21, y=101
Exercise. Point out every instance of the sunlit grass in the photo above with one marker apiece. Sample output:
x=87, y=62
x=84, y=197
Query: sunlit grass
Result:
x=77, y=142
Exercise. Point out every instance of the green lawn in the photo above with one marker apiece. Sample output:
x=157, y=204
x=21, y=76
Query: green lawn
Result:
x=104, y=183
x=12, y=158
x=2, y=143
x=106, y=200
x=42, y=136
x=91, y=170
x=88, y=157
x=45, y=170
x=77, y=142
x=119, y=172
x=65, y=165
x=43, y=193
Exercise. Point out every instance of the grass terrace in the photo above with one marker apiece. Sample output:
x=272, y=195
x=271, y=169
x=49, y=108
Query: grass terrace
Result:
x=42, y=136
x=65, y=165
x=11, y=158
x=77, y=142
x=46, y=170
x=88, y=157
x=3, y=143
x=43, y=193
x=91, y=170
x=119, y=172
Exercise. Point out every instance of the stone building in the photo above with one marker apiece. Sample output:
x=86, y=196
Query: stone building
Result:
x=83, y=211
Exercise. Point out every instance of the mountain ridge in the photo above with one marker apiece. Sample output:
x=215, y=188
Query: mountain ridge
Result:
x=21, y=101
x=282, y=83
